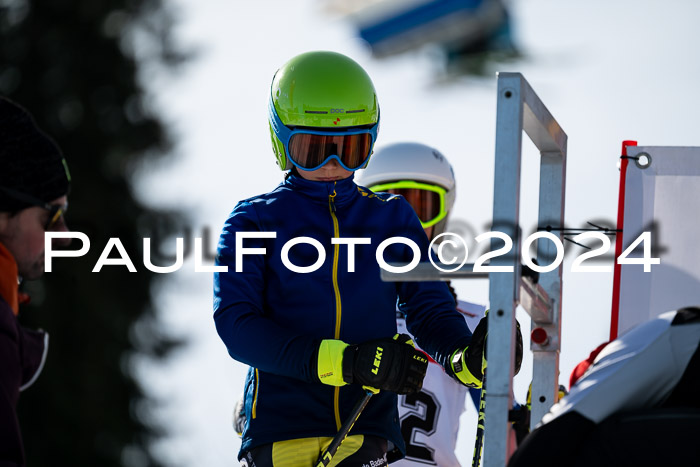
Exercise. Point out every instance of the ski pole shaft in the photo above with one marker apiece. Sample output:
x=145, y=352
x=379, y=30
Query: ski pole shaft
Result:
x=480, y=425
x=327, y=455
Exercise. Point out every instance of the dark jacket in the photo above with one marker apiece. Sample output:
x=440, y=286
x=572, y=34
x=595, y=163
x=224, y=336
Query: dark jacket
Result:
x=273, y=319
x=22, y=355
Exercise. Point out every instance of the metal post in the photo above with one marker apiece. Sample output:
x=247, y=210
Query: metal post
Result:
x=545, y=379
x=504, y=289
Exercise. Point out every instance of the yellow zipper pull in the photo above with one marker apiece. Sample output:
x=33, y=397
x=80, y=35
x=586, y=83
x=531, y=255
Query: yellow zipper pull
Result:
x=331, y=200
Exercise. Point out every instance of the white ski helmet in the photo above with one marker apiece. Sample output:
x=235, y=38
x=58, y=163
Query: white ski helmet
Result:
x=420, y=173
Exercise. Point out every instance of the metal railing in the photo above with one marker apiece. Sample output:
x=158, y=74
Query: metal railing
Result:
x=518, y=109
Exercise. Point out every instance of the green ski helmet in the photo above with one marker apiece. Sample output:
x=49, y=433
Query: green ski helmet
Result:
x=421, y=174
x=322, y=106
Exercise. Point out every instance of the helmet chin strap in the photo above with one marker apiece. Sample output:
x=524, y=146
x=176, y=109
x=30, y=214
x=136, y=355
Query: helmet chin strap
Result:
x=440, y=226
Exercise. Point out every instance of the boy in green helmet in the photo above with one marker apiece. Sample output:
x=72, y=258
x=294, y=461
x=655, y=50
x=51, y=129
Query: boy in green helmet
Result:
x=302, y=301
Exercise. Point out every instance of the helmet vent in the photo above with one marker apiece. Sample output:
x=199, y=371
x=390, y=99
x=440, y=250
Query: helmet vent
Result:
x=355, y=111
x=315, y=111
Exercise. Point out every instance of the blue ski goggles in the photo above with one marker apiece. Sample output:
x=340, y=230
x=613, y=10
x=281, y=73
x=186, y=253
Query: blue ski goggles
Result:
x=309, y=149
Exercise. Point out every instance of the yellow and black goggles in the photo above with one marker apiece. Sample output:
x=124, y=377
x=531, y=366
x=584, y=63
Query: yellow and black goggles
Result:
x=427, y=200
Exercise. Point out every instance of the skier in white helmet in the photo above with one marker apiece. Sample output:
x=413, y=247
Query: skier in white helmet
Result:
x=424, y=176
x=419, y=173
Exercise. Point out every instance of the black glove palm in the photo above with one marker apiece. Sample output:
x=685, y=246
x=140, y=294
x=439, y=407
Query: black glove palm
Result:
x=388, y=364
x=468, y=364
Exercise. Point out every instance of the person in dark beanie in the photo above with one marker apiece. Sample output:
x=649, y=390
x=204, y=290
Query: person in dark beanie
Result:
x=34, y=184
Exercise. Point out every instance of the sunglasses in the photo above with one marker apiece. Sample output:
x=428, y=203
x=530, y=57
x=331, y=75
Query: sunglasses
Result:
x=310, y=149
x=56, y=211
x=427, y=200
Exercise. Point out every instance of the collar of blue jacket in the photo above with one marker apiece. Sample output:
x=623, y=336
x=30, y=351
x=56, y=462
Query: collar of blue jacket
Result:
x=345, y=189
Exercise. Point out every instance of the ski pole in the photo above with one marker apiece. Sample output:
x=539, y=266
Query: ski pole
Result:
x=480, y=424
x=327, y=455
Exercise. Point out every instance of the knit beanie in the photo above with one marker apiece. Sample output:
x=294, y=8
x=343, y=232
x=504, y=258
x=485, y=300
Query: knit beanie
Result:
x=30, y=161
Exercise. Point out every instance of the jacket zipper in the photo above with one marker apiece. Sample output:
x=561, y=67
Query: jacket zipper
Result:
x=336, y=289
x=255, y=394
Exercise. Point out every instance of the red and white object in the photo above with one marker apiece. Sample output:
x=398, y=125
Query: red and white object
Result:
x=659, y=194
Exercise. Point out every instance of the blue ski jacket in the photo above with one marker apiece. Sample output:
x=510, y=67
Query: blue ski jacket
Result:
x=274, y=319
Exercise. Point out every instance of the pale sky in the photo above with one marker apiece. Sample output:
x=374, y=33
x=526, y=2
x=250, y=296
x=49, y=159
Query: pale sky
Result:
x=607, y=71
